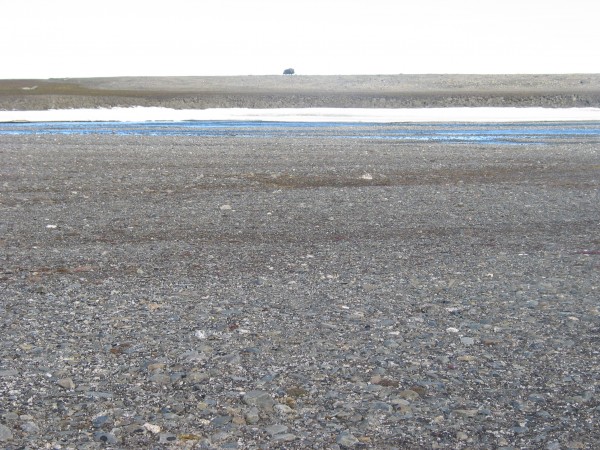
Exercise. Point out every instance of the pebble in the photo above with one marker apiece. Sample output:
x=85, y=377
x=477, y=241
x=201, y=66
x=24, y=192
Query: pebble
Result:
x=461, y=436
x=467, y=340
x=465, y=412
x=409, y=394
x=5, y=433
x=220, y=421
x=276, y=429
x=166, y=438
x=30, y=428
x=283, y=410
x=98, y=422
x=160, y=378
x=346, y=439
x=261, y=399
x=285, y=437
x=108, y=438
x=152, y=428
x=252, y=417
x=381, y=406
x=66, y=383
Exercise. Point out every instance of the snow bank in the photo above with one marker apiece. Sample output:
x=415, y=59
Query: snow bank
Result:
x=142, y=114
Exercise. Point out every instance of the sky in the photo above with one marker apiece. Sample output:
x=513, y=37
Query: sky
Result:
x=75, y=38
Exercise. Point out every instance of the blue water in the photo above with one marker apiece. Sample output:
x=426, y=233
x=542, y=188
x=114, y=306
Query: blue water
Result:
x=497, y=133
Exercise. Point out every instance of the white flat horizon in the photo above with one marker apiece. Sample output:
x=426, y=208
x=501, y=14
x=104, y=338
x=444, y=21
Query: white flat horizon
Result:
x=348, y=115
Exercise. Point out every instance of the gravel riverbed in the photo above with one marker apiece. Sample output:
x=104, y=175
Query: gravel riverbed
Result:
x=182, y=292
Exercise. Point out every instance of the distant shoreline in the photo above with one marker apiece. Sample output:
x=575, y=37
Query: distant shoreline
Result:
x=305, y=91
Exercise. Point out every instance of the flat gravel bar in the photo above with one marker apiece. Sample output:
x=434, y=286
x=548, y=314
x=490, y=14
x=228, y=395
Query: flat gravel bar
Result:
x=220, y=292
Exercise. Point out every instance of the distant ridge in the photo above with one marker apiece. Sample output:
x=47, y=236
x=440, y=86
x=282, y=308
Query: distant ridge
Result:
x=303, y=91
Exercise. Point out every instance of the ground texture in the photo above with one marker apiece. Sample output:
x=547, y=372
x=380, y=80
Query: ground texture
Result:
x=181, y=292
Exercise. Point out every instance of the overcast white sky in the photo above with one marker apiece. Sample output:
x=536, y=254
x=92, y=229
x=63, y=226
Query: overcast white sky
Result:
x=75, y=38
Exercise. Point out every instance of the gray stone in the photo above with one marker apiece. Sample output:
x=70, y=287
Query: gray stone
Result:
x=276, y=429
x=99, y=421
x=30, y=428
x=252, y=416
x=101, y=436
x=5, y=433
x=465, y=412
x=261, y=399
x=99, y=395
x=381, y=406
x=160, y=378
x=467, y=340
x=66, y=383
x=285, y=437
x=346, y=439
x=166, y=438
x=220, y=421
x=409, y=394
x=8, y=373
x=283, y=409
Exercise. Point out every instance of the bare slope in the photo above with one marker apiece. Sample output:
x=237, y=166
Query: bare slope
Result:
x=359, y=91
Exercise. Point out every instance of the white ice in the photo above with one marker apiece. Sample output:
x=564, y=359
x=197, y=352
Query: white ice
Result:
x=381, y=115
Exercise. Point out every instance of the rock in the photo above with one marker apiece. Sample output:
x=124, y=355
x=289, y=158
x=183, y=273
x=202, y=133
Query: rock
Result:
x=296, y=392
x=276, y=429
x=5, y=433
x=30, y=428
x=66, y=383
x=220, y=421
x=285, y=437
x=8, y=373
x=283, y=410
x=252, y=416
x=166, y=438
x=381, y=406
x=98, y=395
x=196, y=377
x=461, y=436
x=409, y=394
x=98, y=422
x=346, y=439
x=108, y=438
x=465, y=412
x=161, y=378
x=467, y=340
x=238, y=420
x=261, y=399
x=154, y=367
x=155, y=429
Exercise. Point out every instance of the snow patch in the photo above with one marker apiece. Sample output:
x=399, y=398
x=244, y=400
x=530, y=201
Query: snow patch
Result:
x=376, y=115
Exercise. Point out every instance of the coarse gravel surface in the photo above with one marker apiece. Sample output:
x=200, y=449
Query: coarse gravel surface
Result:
x=187, y=292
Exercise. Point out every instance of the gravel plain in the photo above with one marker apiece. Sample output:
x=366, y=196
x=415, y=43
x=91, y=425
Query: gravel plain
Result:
x=302, y=91
x=184, y=292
